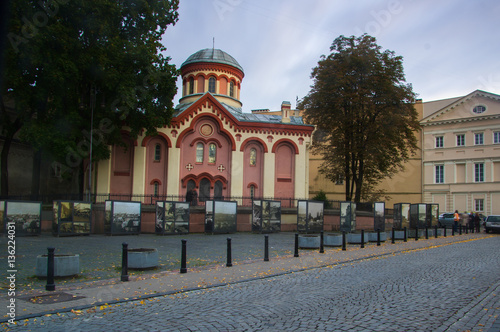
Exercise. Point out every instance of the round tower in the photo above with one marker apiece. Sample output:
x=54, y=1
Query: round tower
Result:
x=215, y=71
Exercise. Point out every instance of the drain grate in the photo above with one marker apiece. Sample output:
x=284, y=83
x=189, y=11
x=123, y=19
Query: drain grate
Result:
x=51, y=298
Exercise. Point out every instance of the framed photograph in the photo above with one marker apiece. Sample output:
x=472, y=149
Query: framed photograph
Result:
x=26, y=216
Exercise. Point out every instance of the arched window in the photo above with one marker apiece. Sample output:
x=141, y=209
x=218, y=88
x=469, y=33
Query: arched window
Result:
x=218, y=190
x=252, y=191
x=157, y=152
x=191, y=86
x=211, y=84
x=253, y=157
x=156, y=190
x=199, y=152
x=231, y=89
x=212, y=151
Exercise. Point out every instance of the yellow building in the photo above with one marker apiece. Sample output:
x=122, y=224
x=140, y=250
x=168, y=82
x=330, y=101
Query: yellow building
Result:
x=461, y=153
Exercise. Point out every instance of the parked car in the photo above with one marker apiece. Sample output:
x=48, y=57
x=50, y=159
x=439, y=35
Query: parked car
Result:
x=446, y=219
x=492, y=223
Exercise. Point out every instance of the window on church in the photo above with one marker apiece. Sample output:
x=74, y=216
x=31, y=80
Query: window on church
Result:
x=157, y=152
x=211, y=85
x=191, y=86
x=252, y=191
x=212, y=151
x=253, y=157
x=199, y=152
x=156, y=188
x=231, y=89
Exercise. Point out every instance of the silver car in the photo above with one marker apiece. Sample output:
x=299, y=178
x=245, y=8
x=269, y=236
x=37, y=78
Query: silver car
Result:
x=492, y=223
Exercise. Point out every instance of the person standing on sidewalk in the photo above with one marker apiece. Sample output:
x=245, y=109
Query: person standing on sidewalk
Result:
x=456, y=219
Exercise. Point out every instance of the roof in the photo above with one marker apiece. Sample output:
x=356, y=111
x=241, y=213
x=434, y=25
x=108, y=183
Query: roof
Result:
x=246, y=117
x=212, y=55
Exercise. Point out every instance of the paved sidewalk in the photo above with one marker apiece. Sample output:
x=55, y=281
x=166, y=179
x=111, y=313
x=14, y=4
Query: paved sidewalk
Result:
x=78, y=296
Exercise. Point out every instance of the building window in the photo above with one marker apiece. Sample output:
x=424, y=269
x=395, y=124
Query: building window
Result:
x=212, y=151
x=479, y=205
x=496, y=137
x=479, y=109
x=479, y=172
x=191, y=86
x=253, y=157
x=199, y=152
x=231, y=89
x=156, y=186
x=439, y=173
x=461, y=140
x=211, y=85
x=252, y=191
x=439, y=141
x=478, y=139
x=339, y=180
x=157, y=152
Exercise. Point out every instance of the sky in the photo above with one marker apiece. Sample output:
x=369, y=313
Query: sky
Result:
x=450, y=48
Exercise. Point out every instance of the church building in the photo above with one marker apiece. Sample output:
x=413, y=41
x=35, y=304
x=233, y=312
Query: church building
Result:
x=212, y=146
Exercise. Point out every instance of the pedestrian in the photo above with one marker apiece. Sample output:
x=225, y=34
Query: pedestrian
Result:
x=456, y=219
x=477, y=222
x=470, y=222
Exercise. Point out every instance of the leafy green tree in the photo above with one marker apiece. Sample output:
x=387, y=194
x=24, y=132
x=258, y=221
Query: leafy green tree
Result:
x=364, y=113
x=70, y=62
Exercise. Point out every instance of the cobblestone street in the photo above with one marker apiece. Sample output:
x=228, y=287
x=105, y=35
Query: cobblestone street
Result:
x=449, y=287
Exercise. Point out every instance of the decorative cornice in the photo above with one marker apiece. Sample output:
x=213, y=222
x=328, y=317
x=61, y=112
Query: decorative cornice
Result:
x=212, y=67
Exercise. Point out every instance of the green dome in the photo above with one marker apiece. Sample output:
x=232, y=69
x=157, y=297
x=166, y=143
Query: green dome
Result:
x=212, y=55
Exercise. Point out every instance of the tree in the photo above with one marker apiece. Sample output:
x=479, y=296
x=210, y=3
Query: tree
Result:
x=70, y=62
x=364, y=113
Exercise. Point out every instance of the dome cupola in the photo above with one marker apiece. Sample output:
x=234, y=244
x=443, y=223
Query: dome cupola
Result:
x=215, y=71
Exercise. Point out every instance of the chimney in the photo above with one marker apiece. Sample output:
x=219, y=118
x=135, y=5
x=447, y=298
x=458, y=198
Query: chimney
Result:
x=286, y=108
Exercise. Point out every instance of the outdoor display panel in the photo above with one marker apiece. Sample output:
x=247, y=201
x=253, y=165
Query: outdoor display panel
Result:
x=310, y=216
x=418, y=214
x=26, y=216
x=220, y=216
x=432, y=215
x=401, y=215
x=266, y=216
x=71, y=218
x=379, y=216
x=172, y=217
x=122, y=217
x=347, y=217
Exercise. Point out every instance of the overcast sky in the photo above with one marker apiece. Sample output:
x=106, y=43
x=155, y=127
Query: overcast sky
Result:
x=449, y=47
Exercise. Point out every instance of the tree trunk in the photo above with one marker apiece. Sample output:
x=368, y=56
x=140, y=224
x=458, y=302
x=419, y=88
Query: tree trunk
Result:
x=5, y=171
x=35, y=175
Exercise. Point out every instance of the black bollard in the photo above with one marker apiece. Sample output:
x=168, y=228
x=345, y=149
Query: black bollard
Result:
x=296, y=253
x=124, y=276
x=426, y=232
x=362, y=238
x=343, y=241
x=452, y=230
x=51, y=286
x=444, y=230
x=183, y=257
x=466, y=229
x=405, y=237
x=436, y=231
x=229, y=258
x=321, y=245
x=378, y=237
x=416, y=233
x=393, y=235
x=266, y=248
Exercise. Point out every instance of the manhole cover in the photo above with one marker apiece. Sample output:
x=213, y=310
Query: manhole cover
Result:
x=52, y=298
